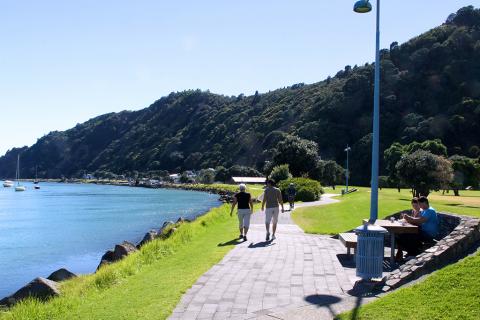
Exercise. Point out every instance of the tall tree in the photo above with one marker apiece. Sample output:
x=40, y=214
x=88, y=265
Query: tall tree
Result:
x=424, y=171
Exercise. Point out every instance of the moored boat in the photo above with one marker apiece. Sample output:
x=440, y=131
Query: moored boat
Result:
x=18, y=187
x=7, y=183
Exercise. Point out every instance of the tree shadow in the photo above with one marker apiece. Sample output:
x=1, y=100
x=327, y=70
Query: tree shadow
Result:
x=232, y=242
x=262, y=244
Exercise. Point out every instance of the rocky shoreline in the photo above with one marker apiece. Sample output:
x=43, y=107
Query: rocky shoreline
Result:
x=46, y=288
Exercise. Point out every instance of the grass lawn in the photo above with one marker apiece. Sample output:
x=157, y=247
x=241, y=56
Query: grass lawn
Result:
x=145, y=285
x=450, y=293
x=352, y=208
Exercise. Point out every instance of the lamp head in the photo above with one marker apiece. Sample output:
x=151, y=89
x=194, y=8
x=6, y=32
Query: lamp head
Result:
x=362, y=6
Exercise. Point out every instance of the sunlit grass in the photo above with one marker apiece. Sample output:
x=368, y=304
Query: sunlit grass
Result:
x=450, y=293
x=354, y=207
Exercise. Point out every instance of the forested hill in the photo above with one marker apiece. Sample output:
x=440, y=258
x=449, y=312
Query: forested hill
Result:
x=430, y=89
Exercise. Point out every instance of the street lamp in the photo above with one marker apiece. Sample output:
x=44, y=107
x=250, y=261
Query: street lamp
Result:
x=364, y=6
x=347, y=173
x=370, y=246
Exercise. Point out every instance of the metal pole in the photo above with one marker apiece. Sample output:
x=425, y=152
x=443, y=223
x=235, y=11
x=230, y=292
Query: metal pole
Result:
x=376, y=125
x=348, y=172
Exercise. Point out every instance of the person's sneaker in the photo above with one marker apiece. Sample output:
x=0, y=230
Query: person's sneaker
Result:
x=273, y=237
x=244, y=238
x=267, y=237
x=240, y=236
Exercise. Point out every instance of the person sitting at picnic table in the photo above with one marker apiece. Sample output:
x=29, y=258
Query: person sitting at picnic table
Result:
x=415, y=208
x=427, y=221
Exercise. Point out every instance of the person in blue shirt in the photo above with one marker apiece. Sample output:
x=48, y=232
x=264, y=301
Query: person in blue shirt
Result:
x=427, y=221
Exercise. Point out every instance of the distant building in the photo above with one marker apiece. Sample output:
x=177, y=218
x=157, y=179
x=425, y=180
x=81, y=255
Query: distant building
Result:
x=175, y=177
x=251, y=180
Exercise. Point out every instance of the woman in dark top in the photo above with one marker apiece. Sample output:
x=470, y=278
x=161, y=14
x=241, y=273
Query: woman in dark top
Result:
x=245, y=209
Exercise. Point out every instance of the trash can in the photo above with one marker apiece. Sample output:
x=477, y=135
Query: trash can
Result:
x=370, y=250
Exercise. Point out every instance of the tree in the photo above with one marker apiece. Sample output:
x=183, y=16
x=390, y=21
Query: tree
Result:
x=466, y=172
x=206, y=176
x=332, y=173
x=221, y=174
x=424, y=171
x=391, y=156
x=433, y=146
x=299, y=154
x=280, y=173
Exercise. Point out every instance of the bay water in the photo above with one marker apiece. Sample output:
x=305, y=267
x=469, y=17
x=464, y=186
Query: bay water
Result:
x=72, y=225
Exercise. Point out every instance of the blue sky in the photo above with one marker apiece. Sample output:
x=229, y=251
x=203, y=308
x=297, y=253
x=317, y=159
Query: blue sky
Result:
x=64, y=62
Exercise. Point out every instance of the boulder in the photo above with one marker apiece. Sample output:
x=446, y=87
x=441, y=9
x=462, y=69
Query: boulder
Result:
x=61, y=275
x=122, y=250
x=39, y=288
x=108, y=257
x=149, y=236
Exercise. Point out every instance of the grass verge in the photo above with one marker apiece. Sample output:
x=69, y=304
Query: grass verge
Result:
x=450, y=293
x=354, y=207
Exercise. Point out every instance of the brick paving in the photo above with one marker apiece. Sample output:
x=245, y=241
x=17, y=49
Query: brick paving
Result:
x=296, y=276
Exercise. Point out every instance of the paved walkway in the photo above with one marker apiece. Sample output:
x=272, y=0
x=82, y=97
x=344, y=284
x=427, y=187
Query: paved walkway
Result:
x=297, y=276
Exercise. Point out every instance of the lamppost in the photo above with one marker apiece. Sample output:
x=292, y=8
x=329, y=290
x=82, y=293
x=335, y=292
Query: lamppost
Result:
x=347, y=173
x=370, y=246
x=364, y=6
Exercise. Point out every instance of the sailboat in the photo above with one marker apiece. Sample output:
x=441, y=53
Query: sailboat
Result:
x=18, y=187
x=7, y=183
x=35, y=182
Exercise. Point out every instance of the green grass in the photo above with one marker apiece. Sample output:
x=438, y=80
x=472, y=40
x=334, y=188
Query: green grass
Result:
x=349, y=212
x=450, y=293
x=145, y=285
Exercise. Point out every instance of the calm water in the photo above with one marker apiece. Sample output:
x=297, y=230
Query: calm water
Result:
x=72, y=225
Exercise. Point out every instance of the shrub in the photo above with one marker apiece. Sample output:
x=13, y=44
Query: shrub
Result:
x=307, y=189
x=280, y=173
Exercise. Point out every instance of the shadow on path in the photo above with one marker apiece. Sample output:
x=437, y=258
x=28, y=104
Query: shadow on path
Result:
x=346, y=261
x=232, y=242
x=362, y=289
x=323, y=300
x=262, y=244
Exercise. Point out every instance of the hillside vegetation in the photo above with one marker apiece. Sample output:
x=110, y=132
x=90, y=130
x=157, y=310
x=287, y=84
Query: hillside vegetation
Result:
x=430, y=89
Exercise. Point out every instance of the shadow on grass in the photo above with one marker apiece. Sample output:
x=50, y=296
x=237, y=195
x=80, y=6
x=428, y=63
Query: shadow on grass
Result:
x=262, y=244
x=461, y=205
x=232, y=242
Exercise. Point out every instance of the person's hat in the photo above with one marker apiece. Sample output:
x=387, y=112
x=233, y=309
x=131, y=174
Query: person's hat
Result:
x=291, y=184
x=242, y=187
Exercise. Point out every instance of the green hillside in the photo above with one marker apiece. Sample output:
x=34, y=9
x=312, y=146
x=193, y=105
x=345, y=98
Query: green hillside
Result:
x=430, y=89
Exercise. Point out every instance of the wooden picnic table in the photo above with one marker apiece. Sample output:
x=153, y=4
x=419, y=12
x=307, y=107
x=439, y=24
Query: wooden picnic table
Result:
x=395, y=227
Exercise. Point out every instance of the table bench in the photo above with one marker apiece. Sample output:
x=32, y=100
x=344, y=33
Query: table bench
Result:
x=349, y=240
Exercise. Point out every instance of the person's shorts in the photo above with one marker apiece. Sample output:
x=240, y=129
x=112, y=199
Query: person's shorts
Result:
x=291, y=198
x=244, y=218
x=271, y=214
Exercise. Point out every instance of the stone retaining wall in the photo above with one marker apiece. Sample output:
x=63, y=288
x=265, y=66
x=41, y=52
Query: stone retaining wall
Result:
x=458, y=235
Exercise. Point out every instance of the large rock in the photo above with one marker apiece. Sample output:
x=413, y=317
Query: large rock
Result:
x=107, y=258
x=61, y=275
x=122, y=250
x=39, y=288
x=149, y=236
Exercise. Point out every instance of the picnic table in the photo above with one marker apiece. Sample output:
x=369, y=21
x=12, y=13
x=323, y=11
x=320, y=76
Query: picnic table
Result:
x=395, y=227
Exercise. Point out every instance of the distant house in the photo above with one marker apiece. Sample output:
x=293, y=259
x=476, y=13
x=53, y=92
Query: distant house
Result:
x=251, y=180
x=175, y=177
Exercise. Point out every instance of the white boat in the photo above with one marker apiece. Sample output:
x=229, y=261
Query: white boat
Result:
x=7, y=183
x=18, y=187
x=35, y=182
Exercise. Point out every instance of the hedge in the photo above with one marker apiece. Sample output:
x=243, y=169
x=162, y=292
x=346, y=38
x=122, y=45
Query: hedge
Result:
x=307, y=189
